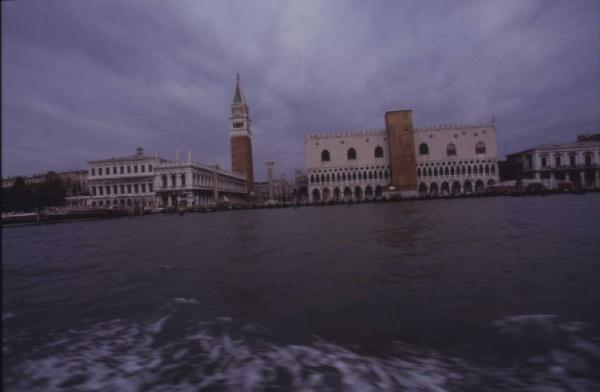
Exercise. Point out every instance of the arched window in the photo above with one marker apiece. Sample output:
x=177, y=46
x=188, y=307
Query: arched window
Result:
x=322, y=177
x=183, y=180
x=312, y=178
x=360, y=177
x=475, y=169
x=493, y=168
x=480, y=148
x=370, y=175
x=344, y=176
x=354, y=176
x=164, y=181
x=380, y=175
x=469, y=170
x=429, y=172
x=451, y=150
x=446, y=171
x=325, y=157
x=423, y=149
x=338, y=176
x=351, y=154
x=452, y=170
x=464, y=170
x=418, y=172
x=386, y=174
x=378, y=152
x=327, y=177
x=435, y=171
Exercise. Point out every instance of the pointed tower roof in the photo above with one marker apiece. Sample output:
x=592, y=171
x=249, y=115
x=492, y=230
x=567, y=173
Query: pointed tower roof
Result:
x=239, y=96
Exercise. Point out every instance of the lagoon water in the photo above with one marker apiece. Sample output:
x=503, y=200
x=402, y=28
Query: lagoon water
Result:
x=467, y=294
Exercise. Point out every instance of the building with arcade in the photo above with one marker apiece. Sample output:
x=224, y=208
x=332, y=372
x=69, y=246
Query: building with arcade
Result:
x=401, y=161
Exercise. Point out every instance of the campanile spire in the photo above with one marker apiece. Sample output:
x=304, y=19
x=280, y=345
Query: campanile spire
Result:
x=241, y=136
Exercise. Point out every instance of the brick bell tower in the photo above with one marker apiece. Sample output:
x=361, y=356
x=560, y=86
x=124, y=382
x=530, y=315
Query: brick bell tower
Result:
x=241, y=137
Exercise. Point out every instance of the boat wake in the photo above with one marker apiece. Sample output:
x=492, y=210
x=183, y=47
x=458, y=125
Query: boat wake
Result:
x=161, y=355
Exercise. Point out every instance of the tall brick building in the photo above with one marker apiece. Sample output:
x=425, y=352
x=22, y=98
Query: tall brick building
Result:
x=241, y=137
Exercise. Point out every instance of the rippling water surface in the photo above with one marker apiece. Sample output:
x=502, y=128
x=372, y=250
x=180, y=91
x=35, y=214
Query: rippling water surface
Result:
x=469, y=294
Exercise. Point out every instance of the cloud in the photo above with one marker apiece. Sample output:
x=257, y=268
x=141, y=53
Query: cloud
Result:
x=87, y=80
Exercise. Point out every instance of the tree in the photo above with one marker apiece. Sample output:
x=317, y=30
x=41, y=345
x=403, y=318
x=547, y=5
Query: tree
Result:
x=19, y=197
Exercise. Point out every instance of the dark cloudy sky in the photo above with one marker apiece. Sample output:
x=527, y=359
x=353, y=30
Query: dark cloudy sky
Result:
x=93, y=79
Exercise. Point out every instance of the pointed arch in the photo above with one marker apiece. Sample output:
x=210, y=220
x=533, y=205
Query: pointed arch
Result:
x=480, y=148
x=451, y=150
x=423, y=149
x=325, y=156
x=433, y=189
x=316, y=195
x=467, y=187
x=358, y=194
x=378, y=152
x=351, y=154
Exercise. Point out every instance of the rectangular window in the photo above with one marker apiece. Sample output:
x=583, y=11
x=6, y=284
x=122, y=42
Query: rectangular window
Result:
x=99, y=171
x=557, y=161
x=93, y=171
x=122, y=188
x=94, y=190
x=100, y=190
x=135, y=169
x=588, y=160
x=108, y=171
x=149, y=168
x=114, y=170
x=122, y=169
x=143, y=188
x=115, y=189
x=150, y=187
x=543, y=161
x=101, y=203
x=135, y=188
x=143, y=168
x=108, y=190
x=128, y=169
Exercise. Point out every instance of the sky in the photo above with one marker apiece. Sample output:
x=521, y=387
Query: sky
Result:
x=94, y=79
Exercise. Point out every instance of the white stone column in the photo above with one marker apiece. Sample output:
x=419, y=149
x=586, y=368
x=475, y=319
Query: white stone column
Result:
x=582, y=177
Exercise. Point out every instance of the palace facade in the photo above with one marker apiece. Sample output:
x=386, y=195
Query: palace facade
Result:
x=401, y=160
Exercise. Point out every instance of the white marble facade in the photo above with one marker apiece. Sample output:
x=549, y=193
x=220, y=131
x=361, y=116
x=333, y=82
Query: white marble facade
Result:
x=148, y=182
x=192, y=184
x=355, y=165
x=456, y=159
x=122, y=182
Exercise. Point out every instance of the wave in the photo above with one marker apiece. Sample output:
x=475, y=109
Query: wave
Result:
x=156, y=356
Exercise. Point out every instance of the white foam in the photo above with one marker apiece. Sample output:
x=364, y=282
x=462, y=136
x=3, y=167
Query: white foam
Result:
x=121, y=356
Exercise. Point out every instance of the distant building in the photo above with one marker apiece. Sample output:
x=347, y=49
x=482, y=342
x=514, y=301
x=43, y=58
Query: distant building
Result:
x=554, y=165
x=192, y=184
x=125, y=181
x=401, y=160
